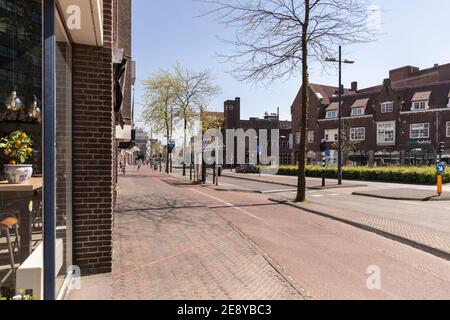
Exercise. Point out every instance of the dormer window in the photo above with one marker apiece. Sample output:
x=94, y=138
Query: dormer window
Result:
x=420, y=101
x=420, y=105
x=331, y=115
x=359, y=107
x=332, y=111
x=387, y=107
x=356, y=112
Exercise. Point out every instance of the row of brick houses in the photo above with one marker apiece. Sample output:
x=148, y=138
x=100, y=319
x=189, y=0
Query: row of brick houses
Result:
x=400, y=122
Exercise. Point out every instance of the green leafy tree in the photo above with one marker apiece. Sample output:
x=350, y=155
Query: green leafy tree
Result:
x=160, y=109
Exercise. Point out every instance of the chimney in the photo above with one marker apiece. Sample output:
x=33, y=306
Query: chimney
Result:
x=355, y=86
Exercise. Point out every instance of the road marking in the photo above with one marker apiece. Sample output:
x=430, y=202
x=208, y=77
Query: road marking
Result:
x=279, y=191
x=229, y=205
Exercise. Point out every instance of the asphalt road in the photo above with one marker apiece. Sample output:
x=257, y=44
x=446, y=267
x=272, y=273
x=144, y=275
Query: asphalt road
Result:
x=328, y=258
x=434, y=216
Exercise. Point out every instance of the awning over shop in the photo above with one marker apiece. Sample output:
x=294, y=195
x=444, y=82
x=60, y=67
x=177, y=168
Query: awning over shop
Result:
x=134, y=150
x=84, y=20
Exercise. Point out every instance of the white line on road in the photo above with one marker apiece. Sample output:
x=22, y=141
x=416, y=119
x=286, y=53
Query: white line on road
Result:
x=229, y=205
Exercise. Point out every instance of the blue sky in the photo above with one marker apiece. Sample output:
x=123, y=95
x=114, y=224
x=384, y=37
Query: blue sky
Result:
x=415, y=32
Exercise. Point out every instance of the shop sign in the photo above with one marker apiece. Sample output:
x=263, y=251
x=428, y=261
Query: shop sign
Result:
x=419, y=142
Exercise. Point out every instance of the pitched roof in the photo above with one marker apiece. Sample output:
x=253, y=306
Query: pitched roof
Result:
x=325, y=91
x=421, y=96
x=361, y=103
x=334, y=106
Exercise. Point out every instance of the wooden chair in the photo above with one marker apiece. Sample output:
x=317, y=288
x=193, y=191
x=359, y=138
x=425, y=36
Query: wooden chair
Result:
x=8, y=224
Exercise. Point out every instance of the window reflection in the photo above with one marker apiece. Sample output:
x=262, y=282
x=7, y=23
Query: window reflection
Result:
x=20, y=109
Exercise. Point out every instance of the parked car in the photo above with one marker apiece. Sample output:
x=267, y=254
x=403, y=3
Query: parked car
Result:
x=247, y=168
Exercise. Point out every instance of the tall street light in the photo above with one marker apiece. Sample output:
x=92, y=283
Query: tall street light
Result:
x=341, y=92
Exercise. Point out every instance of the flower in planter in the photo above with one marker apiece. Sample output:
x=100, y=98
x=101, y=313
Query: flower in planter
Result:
x=17, y=146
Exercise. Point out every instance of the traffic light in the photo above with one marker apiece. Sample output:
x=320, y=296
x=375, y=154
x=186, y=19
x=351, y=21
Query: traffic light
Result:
x=323, y=146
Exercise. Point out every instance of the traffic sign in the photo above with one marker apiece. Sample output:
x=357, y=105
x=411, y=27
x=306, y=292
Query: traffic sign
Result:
x=259, y=149
x=440, y=168
x=327, y=153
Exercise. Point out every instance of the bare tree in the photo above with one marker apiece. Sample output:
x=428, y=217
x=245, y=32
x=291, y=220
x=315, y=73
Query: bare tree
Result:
x=276, y=38
x=194, y=89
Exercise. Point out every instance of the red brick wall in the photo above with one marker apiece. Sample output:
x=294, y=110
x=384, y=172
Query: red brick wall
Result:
x=93, y=152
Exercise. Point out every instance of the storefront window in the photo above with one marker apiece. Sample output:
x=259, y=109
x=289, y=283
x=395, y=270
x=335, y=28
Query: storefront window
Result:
x=420, y=157
x=21, y=228
x=63, y=165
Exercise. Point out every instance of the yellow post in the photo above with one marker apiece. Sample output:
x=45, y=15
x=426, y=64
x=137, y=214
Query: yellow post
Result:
x=439, y=183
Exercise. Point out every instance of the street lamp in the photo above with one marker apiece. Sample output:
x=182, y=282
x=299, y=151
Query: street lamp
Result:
x=341, y=92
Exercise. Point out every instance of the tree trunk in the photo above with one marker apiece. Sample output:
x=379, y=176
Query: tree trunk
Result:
x=301, y=188
x=184, y=148
x=167, y=151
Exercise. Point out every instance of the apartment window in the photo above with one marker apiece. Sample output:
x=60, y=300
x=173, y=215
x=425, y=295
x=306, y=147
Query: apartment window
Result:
x=386, y=133
x=310, y=136
x=420, y=105
x=331, y=135
x=420, y=131
x=357, y=112
x=448, y=129
x=358, y=134
x=387, y=107
x=331, y=114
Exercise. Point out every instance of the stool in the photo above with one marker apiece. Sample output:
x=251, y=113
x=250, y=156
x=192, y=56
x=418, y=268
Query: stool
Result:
x=6, y=225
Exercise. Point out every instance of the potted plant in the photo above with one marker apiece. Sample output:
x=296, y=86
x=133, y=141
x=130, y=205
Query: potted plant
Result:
x=17, y=147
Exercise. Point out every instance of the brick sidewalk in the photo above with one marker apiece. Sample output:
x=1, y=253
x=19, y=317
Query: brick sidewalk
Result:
x=167, y=246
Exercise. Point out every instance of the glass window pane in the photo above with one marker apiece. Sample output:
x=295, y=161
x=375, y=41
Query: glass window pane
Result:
x=64, y=155
x=20, y=111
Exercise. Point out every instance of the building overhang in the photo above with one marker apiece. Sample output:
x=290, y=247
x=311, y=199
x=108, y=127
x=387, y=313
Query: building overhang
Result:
x=84, y=20
x=123, y=134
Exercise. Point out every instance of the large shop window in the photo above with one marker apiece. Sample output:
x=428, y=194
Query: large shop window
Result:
x=22, y=241
x=21, y=183
x=63, y=161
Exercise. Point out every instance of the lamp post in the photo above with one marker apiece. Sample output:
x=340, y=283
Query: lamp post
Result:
x=341, y=92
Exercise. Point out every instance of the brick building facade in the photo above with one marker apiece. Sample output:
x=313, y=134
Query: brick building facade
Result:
x=232, y=120
x=94, y=138
x=400, y=122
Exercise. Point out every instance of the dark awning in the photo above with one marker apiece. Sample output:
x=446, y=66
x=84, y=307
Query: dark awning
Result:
x=119, y=88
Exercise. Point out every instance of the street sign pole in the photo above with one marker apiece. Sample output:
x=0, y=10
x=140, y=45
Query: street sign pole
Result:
x=439, y=184
x=324, y=164
x=440, y=170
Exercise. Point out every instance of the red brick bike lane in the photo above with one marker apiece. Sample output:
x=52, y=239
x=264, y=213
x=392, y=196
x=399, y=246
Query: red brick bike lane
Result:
x=167, y=245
